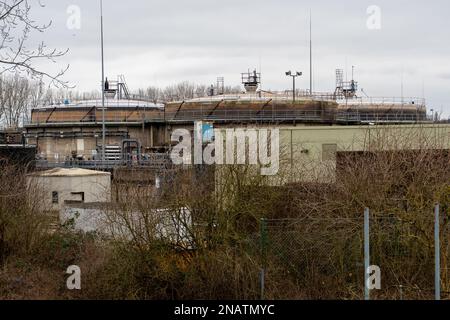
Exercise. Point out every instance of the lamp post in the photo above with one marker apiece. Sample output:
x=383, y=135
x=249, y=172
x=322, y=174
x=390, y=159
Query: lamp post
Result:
x=293, y=75
x=103, y=85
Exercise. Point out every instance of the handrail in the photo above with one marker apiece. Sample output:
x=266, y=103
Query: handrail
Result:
x=383, y=101
x=154, y=161
x=108, y=103
x=246, y=115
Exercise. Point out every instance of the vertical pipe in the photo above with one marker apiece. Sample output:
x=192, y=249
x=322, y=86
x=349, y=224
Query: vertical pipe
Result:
x=103, y=85
x=366, y=253
x=437, y=271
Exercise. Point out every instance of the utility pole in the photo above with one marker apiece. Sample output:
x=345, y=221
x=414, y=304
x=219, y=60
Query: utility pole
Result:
x=103, y=85
x=402, y=87
x=310, y=55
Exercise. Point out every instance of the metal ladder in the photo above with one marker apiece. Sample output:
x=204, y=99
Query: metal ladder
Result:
x=122, y=87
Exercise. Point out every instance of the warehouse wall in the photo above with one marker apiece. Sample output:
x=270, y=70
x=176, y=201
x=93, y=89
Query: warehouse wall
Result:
x=308, y=153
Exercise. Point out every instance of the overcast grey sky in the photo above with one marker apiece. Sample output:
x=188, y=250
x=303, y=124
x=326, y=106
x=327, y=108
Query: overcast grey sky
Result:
x=160, y=42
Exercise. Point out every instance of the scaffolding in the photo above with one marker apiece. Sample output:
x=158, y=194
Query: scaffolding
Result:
x=220, y=86
x=118, y=87
x=344, y=89
x=251, y=80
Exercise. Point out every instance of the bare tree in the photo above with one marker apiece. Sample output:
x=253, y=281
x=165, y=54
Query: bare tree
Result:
x=16, y=55
x=154, y=94
x=181, y=91
x=35, y=98
x=14, y=99
x=233, y=90
x=18, y=96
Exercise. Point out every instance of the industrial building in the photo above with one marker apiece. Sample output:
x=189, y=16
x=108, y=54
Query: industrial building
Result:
x=138, y=132
x=313, y=153
x=315, y=131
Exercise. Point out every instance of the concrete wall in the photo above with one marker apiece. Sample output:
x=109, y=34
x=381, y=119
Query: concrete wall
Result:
x=310, y=152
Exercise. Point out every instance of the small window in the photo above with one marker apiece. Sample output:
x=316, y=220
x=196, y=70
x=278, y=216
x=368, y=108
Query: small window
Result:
x=78, y=197
x=329, y=152
x=55, y=197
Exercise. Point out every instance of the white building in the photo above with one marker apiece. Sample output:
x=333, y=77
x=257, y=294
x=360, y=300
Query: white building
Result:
x=59, y=187
x=174, y=226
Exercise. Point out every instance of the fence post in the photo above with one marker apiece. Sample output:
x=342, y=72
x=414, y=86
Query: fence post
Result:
x=366, y=253
x=263, y=239
x=437, y=254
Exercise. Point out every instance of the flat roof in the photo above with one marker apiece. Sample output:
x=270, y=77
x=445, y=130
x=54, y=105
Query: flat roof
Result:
x=109, y=103
x=70, y=172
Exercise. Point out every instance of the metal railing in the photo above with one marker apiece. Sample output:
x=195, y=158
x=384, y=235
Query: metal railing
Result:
x=109, y=118
x=264, y=97
x=409, y=110
x=150, y=161
x=296, y=115
x=286, y=96
x=246, y=115
x=365, y=117
x=281, y=96
x=128, y=103
x=367, y=101
x=271, y=114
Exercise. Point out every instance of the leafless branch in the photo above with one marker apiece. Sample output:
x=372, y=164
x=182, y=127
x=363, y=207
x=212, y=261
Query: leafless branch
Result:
x=16, y=56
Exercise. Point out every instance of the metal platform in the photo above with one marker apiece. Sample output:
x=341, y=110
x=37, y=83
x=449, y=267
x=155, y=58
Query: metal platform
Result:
x=153, y=161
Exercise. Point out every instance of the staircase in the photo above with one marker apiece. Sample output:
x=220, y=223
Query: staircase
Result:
x=123, y=87
x=113, y=153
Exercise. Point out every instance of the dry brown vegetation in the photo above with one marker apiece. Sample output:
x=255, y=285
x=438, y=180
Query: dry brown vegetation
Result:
x=310, y=243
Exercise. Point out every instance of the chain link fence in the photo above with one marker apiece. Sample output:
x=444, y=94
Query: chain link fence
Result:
x=323, y=257
x=312, y=258
x=403, y=247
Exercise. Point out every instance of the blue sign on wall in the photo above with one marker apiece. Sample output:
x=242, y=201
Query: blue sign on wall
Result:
x=207, y=132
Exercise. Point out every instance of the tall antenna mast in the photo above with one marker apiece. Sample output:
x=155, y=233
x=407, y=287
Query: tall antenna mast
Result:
x=260, y=71
x=310, y=55
x=402, y=93
x=103, y=85
x=423, y=88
